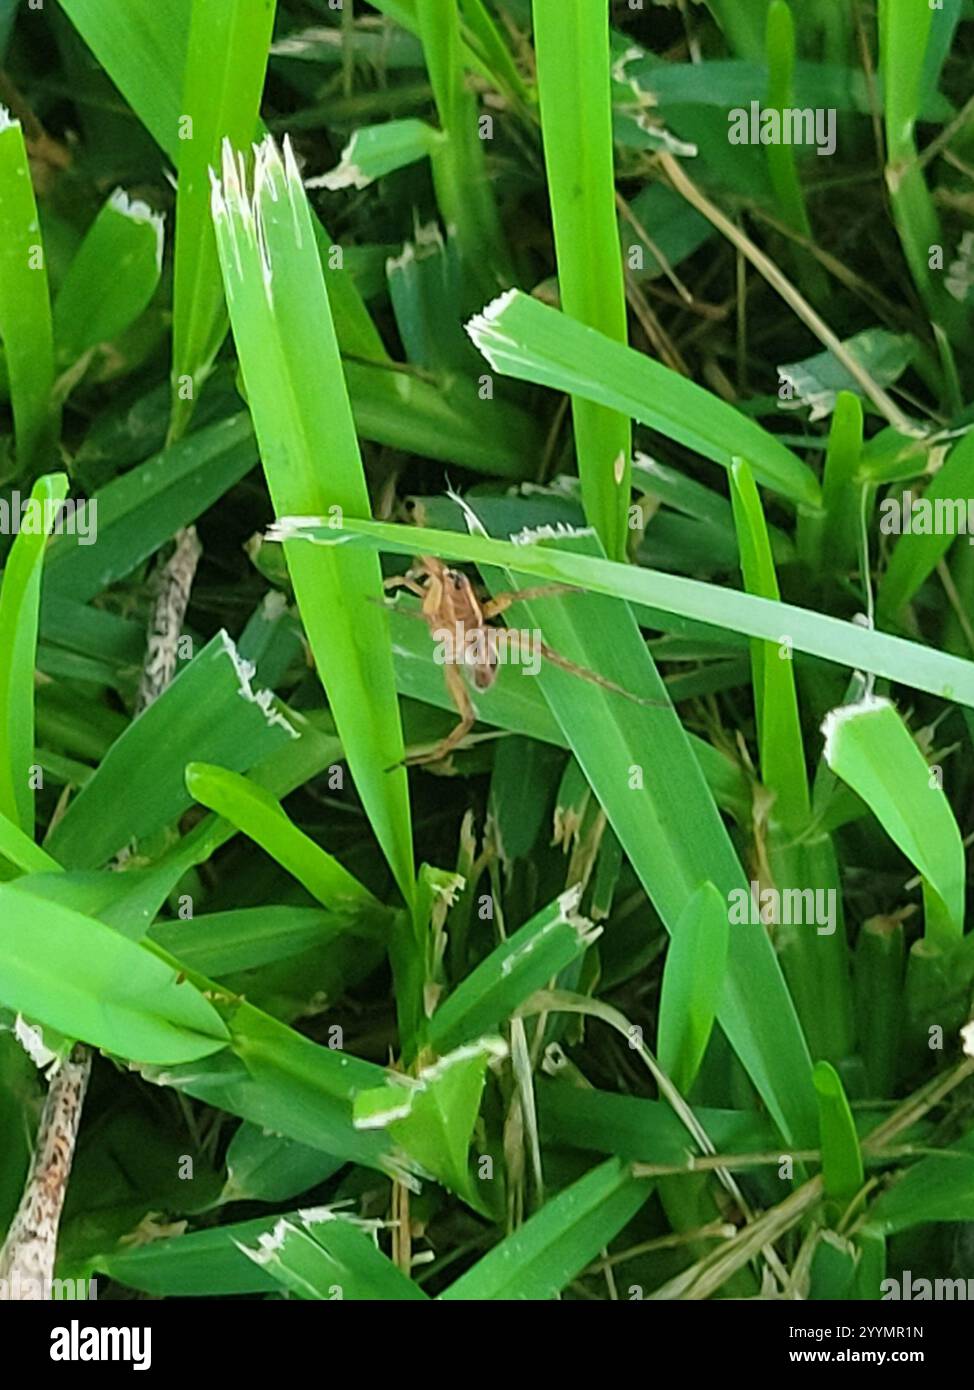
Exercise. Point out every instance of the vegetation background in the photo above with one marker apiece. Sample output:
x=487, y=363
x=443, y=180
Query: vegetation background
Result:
x=485, y=1028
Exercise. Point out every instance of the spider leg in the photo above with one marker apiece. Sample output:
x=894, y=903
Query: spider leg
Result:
x=404, y=581
x=468, y=717
x=583, y=672
x=501, y=602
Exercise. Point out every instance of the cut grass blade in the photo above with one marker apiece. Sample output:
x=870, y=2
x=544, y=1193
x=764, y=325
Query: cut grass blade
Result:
x=841, y=491
x=248, y=1257
x=431, y=1116
x=328, y=1257
x=25, y=306
x=571, y=39
x=226, y=60
x=871, y=749
x=289, y=356
x=210, y=711
x=527, y=960
x=19, y=608
x=113, y=276
x=523, y=338
x=143, y=48
x=376, y=150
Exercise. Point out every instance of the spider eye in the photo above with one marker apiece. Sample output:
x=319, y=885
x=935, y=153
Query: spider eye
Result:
x=457, y=580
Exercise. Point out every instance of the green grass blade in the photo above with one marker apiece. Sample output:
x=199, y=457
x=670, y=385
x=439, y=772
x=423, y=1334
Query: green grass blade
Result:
x=556, y=1244
x=879, y=980
x=916, y=554
x=693, y=981
x=19, y=608
x=330, y=1257
x=526, y=961
x=264, y=1167
x=209, y=712
x=431, y=1116
x=25, y=306
x=111, y=279
x=936, y=1189
x=744, y=23
x=20, y=851
x=225, y=63
x=523, y=338
x=463, y=190
x=782, y=163
x=817, y=634
x=571, y=40
x=143, y=48
x=871, y=749
x=841, y=490
x=220, y=943
x=904, y=34
x=674, y=845
x=775, y=697
x=258, y=814
x=290, y=361
x=841, y=1156
x=138, y=511
x=74, y=974
x=376, y=150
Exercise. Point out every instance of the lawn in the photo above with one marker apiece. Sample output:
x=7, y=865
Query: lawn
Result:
x=486, y=648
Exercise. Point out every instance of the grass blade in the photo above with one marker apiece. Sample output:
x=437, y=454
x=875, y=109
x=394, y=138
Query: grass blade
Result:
x=571, y=40
x=113, y=276
x=523, y=338
x=289, y=356
x=19, y=607
x=817, y=634
x=258, y=814
x=140, y=786
x=556, y=1244
x=841, y=1156
x=25, y=306
x=225, y=63
x=870, y=748
x=527, y=960
x=693, y=981
x=74, y=974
